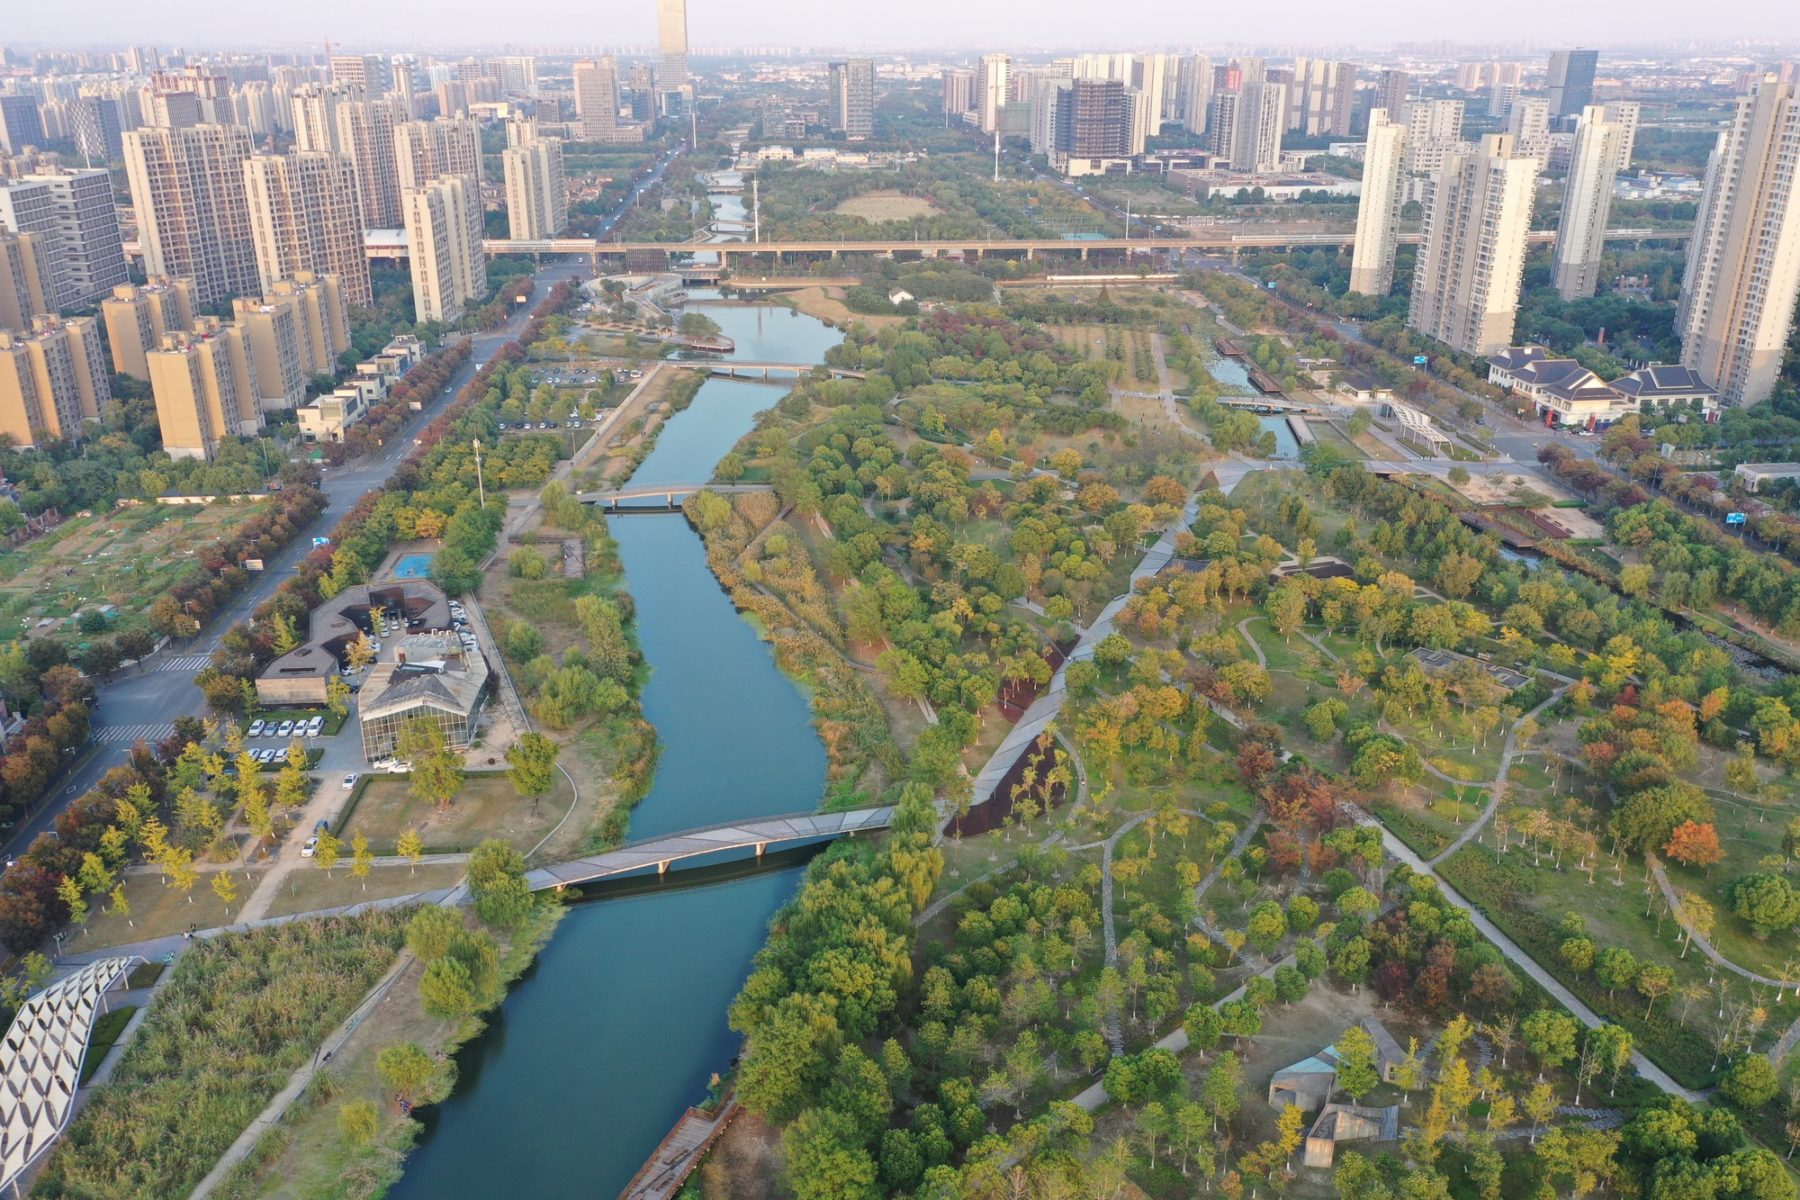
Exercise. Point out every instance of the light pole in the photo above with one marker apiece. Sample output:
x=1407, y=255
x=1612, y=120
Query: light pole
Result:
x=480, y=485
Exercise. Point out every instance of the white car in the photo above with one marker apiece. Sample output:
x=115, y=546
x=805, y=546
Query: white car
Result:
x=256, y=728
x=350, y=781
x=315, y=727
x=285, y=729
x=310, y=848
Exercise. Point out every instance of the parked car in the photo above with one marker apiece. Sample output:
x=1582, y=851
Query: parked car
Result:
x=350, y=781
x=315, y=727
x=256, y=728
x=311, y=847
x=285, y=729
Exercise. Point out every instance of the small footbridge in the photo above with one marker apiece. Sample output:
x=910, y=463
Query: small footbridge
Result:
x=756, y=835
x=669, y=494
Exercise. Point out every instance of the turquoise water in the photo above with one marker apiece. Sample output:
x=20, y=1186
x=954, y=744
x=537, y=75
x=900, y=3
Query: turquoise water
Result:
x=412, y=566
x=621, y=1022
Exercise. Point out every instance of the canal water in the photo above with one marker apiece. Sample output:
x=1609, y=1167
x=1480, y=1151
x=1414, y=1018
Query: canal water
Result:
x=621, y=1022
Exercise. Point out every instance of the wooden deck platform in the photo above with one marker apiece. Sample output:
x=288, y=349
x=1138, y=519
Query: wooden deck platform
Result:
x=675, y=1157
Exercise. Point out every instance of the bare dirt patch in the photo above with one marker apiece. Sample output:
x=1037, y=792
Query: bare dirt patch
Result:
x=887, y=206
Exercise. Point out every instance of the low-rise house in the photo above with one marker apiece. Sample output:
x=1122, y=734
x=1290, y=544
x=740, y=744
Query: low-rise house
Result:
x=1349, y=1123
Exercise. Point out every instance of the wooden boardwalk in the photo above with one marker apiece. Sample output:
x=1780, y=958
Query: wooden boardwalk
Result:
x=676, y=1156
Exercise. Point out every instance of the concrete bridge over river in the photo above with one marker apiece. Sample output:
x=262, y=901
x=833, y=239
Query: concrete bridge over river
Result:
x=756, y=835
x=671, y=494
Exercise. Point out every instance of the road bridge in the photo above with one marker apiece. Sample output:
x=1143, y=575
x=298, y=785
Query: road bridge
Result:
x=756, y=835
x=1029, y=247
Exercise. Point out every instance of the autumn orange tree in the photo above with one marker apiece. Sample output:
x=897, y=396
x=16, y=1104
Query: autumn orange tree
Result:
x=1694, y=844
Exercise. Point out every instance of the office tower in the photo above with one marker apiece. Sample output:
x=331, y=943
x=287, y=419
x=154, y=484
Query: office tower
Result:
x=516, y=74
x=324, y=318
x=671, y=45
x=1378, y=209
x=1465, y=290
x=271, y=328
x=990, y=90
x=26, y=289
x=1390, y=92
x=20, y=124
x=597, y=100
x=959, y=94
x=96, y=129
x=1149, y=78
x=204, y=384
x=1572, y=81
x=1528, y=124
x=1743, y=264
x=1624, y=114
x=193, y=216
x=537, y=203
x=1587, y=202
x=1322, y=98
x=444, y=248
x=1194, y=82
x=1433, y=129
x=304, y=217
x=52, y=379
x=137, y=319
x=365, y=73
x=424, y=150
x=1093, y=123
x=853, y=98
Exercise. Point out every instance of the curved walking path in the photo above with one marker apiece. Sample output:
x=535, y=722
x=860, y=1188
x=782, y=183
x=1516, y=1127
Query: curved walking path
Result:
x=1238, y=846
x=1508, y=753
x=1699, y=939
x=1243, y=628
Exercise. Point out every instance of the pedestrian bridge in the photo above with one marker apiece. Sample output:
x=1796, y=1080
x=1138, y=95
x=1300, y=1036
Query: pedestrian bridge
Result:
x=737, y=368
x=756, y=835
x=671, y=494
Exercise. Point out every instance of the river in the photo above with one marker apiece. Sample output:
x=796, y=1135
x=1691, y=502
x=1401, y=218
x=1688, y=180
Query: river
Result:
x=620, y=1023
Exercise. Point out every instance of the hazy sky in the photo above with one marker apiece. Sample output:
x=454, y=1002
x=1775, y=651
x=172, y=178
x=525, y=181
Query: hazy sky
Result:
x=909, y=24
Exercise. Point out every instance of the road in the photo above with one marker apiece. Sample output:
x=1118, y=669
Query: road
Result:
x=144, y=703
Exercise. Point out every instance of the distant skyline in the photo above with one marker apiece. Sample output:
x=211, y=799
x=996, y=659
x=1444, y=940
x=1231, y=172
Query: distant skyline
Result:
x=919, y=24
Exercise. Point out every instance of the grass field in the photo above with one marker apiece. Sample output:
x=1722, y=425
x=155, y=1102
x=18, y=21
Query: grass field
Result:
x=487, y=806
x=310, y=890
x=126, y=558
x=887, y=206
x=158, y=910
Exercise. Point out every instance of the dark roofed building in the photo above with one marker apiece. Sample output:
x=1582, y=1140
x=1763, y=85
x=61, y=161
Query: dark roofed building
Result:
x=1669, y=383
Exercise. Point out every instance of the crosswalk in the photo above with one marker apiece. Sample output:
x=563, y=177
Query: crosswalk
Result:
x=148, y=731
x=187, y=664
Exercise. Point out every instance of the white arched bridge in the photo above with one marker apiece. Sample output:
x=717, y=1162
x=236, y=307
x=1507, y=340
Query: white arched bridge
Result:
x=756, y=835
x=671, y=494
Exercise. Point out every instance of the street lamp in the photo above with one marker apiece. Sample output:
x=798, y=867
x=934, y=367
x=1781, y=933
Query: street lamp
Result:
x=479, y=483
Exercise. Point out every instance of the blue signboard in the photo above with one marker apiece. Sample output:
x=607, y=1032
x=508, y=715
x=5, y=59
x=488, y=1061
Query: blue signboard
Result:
x=1734, y=518
x=317, y=542
x=1420, y=360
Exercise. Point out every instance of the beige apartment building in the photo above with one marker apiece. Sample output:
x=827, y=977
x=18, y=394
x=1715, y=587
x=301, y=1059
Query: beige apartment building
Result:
x=138, y=318
x=537, y=202
x=193, y=216
x=597, y=104
x=271, y=326
x=52, y=379
x=424, y=150
x=205, y=389
x=443, y=248
x=1743, y=264
x=343, y=120
x=1465, y=290
x=25, y=282
x=304, y=218
x=1587, y=205
x=1378, y=208
x=324, y=319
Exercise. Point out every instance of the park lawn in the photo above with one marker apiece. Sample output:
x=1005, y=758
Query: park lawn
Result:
x=313, y=890
x=1748, y=832
x=107, y=1028
x=1615, y=908
x=1328, y=434
x=887, y=206
x=486, y=807
x=1452, y=748
x=1260, y=494
x=158, y=910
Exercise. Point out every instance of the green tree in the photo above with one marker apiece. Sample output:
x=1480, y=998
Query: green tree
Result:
x=447, y=990
x=532, y=762
x=409, y=845
x=1750, y=1082
x=406, y=1068
x=358, y=1121
x=360, y=858
x=1766, y=902
x=1203, y=1027
x=437, y=773
x=825, y=1159
x=1356, y=1073
x=497, y=881
x=431, y=931
x=1550, y=1035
